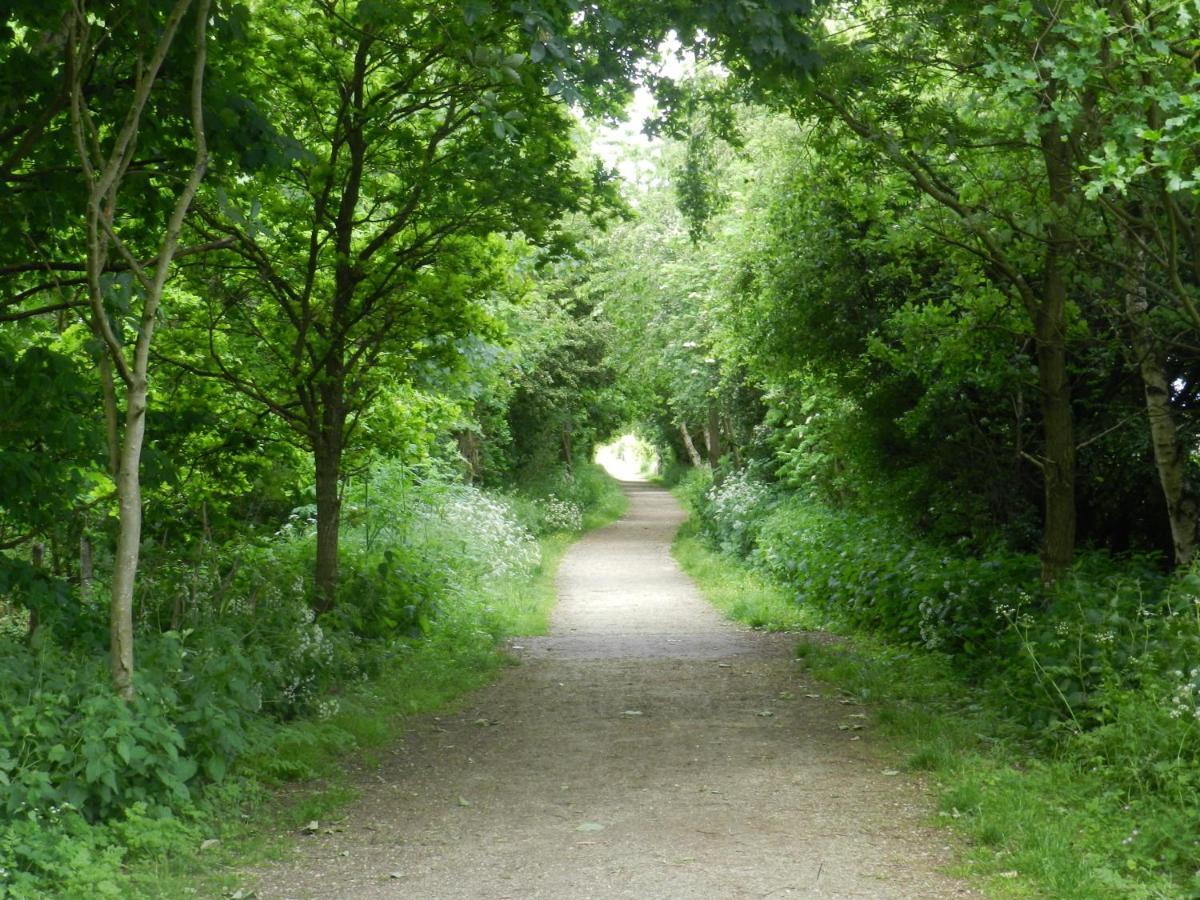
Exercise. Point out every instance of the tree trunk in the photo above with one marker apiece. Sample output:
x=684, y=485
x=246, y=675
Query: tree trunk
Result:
x=1058, y=464
x=1170, y=455
x=328, y=458
x=129, y=538
x=690, y=446
x=37, y=556
x=112, y=417
x=104, y=171
x=712, y=435
x=731, y=437
x=469, y=449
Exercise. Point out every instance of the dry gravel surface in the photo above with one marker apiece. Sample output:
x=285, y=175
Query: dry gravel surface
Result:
x=646, y=748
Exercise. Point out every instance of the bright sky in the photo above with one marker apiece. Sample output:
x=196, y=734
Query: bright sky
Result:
x=625, y=147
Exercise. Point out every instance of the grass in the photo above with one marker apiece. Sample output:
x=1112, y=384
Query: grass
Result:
x=298, y=774
x=1037, y=825
x=738, y=592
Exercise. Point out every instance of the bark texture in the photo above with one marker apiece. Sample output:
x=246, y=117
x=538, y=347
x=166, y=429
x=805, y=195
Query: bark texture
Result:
x=1050, y=340
x=1170, y=456
x=690, y=446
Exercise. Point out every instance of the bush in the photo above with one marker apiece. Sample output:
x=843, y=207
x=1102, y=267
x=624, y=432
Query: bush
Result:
x=692, y=486
x=864, y=571
x=734, y=509
x=560, y=502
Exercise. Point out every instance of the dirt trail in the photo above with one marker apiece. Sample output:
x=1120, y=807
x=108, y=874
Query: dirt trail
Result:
x=647, y=748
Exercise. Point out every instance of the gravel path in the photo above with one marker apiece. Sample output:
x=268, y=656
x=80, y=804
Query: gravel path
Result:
x=646, y=748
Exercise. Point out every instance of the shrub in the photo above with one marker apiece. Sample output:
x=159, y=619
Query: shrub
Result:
x=734, y=510
x=870, y=573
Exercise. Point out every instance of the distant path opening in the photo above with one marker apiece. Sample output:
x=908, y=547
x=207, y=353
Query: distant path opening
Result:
x=646, y=748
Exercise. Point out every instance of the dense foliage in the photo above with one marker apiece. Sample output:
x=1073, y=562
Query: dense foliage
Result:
x=311, y=315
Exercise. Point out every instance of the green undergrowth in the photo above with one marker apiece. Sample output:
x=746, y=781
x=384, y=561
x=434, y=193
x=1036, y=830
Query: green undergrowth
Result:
x=248, y=711
x=736, y=591
x=1100, y=806
x=1039, y=824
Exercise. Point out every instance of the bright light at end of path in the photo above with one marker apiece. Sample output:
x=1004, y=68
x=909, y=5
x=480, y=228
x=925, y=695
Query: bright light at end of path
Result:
x=628, y=458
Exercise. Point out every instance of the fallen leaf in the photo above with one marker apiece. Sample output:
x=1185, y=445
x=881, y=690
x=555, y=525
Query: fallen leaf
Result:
x=766, y=713
x=724, y=666
x=813, y=696
x=396, y=875
x=463, y=801
x=209, y=844
x=891, y=771
x=312, y=827
x=632, y=712
x=589, y=826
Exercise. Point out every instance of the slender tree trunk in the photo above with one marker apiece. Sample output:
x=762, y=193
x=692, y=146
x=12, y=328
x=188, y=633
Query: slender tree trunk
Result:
x=712, y=435
x=1058, y=464
x=731, y=437
x=1170, y=456
x=329, y=434
x=469, y=449
x=690, y=446
x=129, y=537
x=112, y=417
x=104, y=165
x=37, y=556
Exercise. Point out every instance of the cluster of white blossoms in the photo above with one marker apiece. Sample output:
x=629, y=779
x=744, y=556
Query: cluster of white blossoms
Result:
x=328, y=708
x=561, y=515
x=1185, y=702
x=734, y=499
x=735, y=507
x=488, y=532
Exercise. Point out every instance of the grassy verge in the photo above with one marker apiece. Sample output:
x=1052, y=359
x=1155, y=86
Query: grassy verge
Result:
x=1038, y=826
x=298, y=774
x=738, y=592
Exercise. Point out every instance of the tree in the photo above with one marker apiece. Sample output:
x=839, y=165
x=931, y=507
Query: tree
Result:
x=365, y=254
x=105, y=153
